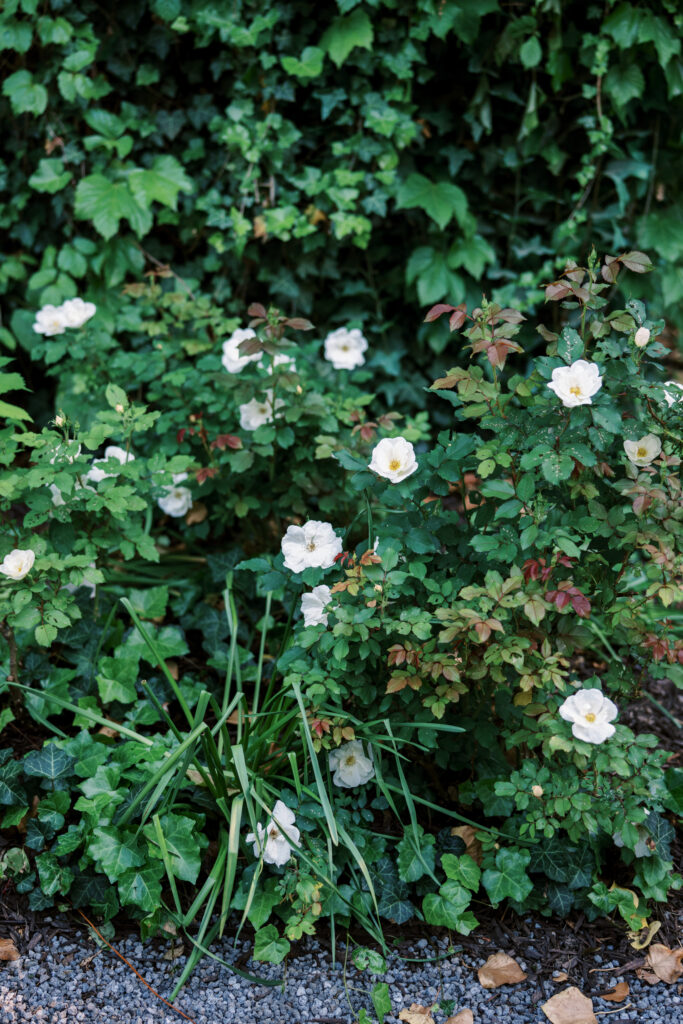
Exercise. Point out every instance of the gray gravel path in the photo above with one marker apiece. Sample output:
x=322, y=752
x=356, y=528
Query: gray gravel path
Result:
x=68, y=979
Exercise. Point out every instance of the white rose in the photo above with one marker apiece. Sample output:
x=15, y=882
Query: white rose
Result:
x=644, y=451
x=232, y=359
x=344, y=348
x=76, y=312
x=112, y=451
x=313, y=544
x=177, y=501
x=393, y=458
x=275, y=841
x=313, y=605
x=670, y=396
x=269, y=363
x=350, y=765
x=642, y=336
x=50, y=320
x=18, y=563
x=576, y=384
x=590, y=713
x=258, y=412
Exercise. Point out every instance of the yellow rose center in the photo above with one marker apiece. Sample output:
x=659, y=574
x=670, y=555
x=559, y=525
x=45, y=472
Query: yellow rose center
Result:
x=641, y=453
x=311, y=545
x=350, y=761
x=576, y=390
x=273, y=833
x=394, y=465
x=590, y=717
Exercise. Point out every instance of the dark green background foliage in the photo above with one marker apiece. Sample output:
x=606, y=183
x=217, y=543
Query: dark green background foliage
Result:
x=348, y=160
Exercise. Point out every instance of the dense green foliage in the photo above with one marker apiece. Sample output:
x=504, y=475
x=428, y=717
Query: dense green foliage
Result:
x=355, y=159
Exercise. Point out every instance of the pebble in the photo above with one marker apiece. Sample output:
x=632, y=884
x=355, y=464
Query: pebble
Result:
x=40, y=987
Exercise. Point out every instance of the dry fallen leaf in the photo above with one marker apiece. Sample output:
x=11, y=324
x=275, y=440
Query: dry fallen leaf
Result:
x=174, y=952
x=469, y=838
x=648, y=976
x=643, y=938
x=464, y=1017
x=199, y=511
x=500, y=969
x=616, y=994
x=8, y=951
x=560, y=977
x=666, y=963
x=570, y=1007
x=417, y=1015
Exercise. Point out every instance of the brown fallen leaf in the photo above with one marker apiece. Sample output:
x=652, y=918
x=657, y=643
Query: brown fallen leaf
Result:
x=199, y=511
x=463, y=1017
x=666, y=963
x=570, y=1007
x=8, y=951
x=560, y=977
x=616, y=994
x=417, y=1014
x=469, y=838
x=173, y=952
x=500, y=969
x=648, y=976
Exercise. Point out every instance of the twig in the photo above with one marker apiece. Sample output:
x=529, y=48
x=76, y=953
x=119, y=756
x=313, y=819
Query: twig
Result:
x=128, y=964
x=166, y=266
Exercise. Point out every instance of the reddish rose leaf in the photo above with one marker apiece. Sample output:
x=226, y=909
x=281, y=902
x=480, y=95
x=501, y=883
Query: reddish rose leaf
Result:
x=438, y=310
x=298, y=323
x=256, y=309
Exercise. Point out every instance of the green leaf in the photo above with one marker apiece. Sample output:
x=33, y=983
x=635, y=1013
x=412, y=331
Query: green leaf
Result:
x=269, y=946
x=184, y=843
x=169, y=641
x=141, y=888
x=150, y=603
x=106, y=203
x=116, y=851
x=54, y=877
x=50, y=176
x=530, y=52
x=429, y=268
x=393, y=902
x=415, y=855
x=557, y=467
x=345, y=33
x=381, y=1000
x=560, y=899
x=508, y=878
x=447, y=907
x=309, y=66
x=440, y=200
x=25, y=95
x=262, y=905
x=116, y=679
x=462, y=869
x=48, y=763
x=569, y=345
x=162, y=183
x=623, y=83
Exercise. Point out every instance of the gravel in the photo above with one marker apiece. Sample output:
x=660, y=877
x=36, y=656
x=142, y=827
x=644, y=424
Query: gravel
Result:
x=72, y=979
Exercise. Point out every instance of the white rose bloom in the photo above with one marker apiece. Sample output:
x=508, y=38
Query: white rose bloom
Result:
x=269, y=363
x=50, y=320
x=278, y=836
x=590, y=713
x=644, y=451
x=17, y=563
x=313, y=544
x=642, y=336
x=576, y=384
x=344, y=348
x=313, y=605
x=112, y=451
x=393, y=458
x=177, y=501
x=258, y=412
x=351, y=766
x=76, y=312
x=670, y=396
x=232, y=359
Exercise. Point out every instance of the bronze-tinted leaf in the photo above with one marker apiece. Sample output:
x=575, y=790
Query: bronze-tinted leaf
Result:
x=256, y=309
x=500, y=969
x=570, y=1007
x=436, y=311
x=666, y=963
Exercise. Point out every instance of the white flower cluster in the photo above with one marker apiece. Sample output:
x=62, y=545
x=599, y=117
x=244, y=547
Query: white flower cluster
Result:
x=73, y=313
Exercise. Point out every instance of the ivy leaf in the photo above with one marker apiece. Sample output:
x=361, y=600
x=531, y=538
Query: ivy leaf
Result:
x=50, y=176
x=25, y=95
x=184, y=842
x=269, y=946
x=447, y=907
x=623, y=83
x=462, y=869
x=393, y=903
x=441, y=200
x=11, y=792
x=309, y=66
x=116, y=680
x=345, y=33
x=115, y=851
x=48, y=763
x=560, y=899
x=106, y=203
x=169, y=642
x=141, y=888
x=508, y=878
x=261, y=906
x=162, y=182
x=415, y=855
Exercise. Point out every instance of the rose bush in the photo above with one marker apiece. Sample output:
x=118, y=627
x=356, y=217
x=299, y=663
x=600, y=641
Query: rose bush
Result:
x=323, y=665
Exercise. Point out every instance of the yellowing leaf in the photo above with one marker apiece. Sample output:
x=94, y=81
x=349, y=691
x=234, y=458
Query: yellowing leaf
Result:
x=464, y=1017
x=417, y=1014
x=570, y=1007
x=643, y=938
x=500, y=969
